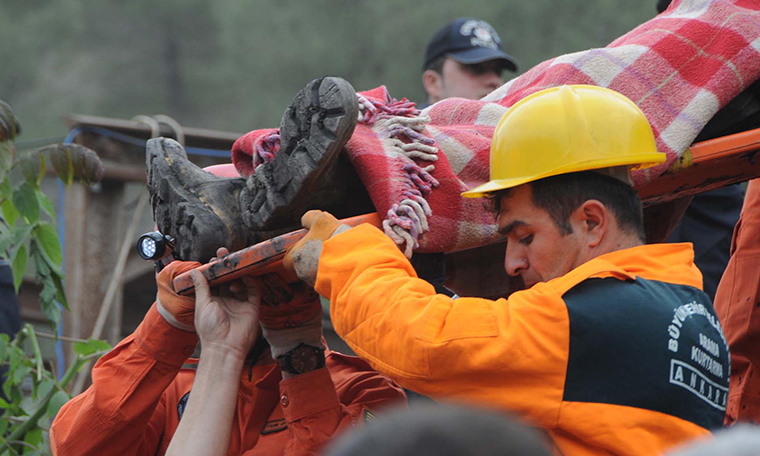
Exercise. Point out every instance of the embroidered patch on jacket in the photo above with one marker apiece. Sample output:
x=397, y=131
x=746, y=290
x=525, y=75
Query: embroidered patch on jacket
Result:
x=650, y=345
x=182, y=405
x=274, y=426
x=369, y=416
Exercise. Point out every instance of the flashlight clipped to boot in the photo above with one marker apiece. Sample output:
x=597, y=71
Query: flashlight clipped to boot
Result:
x=158, y=248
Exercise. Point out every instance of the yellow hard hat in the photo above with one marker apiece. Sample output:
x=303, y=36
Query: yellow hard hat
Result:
x=568, y=129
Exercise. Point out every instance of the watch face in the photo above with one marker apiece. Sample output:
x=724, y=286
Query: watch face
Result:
x=305, y=359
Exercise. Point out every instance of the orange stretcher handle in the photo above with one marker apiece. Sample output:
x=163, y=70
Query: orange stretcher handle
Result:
x=262, y=258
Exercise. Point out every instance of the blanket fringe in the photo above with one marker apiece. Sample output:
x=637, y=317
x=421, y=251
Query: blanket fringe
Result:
x=402, y=132
x=265, y=148
x=370, y=109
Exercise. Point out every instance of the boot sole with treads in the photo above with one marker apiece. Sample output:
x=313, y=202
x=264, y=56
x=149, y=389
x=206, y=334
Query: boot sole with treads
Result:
x=304, y=173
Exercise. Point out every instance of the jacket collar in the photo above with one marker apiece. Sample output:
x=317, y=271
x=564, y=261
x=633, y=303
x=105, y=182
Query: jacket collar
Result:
x=672, y=263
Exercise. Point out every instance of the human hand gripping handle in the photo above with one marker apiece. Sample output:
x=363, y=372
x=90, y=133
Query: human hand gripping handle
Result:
x=177, y=310
x=291, y=314
x=228, y=323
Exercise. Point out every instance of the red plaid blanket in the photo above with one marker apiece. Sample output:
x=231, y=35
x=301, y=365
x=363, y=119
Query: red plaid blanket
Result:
x=680, y=68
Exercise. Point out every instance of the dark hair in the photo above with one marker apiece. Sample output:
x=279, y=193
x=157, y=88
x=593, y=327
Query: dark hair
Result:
x=662, y=5
x=441, y=430
x=563, y=194
x=436, y=65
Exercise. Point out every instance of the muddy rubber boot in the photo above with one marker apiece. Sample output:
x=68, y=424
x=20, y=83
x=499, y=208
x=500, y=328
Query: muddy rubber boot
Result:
x=198, y=209
x=303, y=175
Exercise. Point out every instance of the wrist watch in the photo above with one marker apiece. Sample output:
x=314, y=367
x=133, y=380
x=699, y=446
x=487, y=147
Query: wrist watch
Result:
x=304, y=358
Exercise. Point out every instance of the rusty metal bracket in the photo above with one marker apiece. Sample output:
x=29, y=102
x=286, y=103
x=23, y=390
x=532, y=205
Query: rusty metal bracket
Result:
x=714, y=164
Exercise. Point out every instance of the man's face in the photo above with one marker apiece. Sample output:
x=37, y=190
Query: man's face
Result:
x=469, y=81
x=536, y=249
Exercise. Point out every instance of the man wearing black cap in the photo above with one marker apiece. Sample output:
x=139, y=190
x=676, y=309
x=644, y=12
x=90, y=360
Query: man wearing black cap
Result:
x=464, y=59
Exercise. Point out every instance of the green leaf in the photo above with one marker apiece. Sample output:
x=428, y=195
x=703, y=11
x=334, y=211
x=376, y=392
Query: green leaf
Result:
x=19, y=374
x=33, y=437
x=47, y=237
x=40, y=262
x=49, y=266
x=56, y=402
x=46, y=205
x=61, y=291
x=9, y=211
x=7, y=156
x=88, y=169
x=4, y=339
x=19, y=267
x=17, y=395
x=9, y=124
x=6, y=237
x=44, y=388
x=3, y=404
x=46, y=267
x=60, y=157
x=8, y=388
x=6, y=189
x=19, y=238
x=32, y=166
x=21, y=232
x=75, y=162
x=48, y=301
x=25, y=200
x=91, y=346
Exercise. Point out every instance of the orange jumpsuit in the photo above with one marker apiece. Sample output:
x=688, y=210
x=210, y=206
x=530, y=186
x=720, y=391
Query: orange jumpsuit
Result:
x=140, y=390
x=623, y=355
x=737, y=302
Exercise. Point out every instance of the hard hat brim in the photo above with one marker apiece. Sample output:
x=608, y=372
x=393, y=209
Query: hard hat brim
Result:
x=638, y=162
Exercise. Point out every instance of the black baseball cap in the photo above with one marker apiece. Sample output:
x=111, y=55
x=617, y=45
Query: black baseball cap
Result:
x=468, y=41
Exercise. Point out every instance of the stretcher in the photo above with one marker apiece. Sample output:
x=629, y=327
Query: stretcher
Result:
x=259, y=259
x=705, y=166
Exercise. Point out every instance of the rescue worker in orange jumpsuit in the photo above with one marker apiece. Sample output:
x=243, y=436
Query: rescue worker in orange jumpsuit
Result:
x=147, y=398
x=737, y=302
x=613, y=348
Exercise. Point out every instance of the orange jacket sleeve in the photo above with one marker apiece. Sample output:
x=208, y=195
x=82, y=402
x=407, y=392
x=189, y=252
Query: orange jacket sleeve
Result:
x=509, y=353
x=321, y=404
x=123, y=410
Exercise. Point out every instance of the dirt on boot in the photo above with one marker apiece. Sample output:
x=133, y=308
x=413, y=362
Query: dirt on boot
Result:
x=198, y=209
x=303, y=175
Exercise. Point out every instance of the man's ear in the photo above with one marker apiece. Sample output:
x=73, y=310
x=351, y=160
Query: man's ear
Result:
x=432, y=82
x=593, y=218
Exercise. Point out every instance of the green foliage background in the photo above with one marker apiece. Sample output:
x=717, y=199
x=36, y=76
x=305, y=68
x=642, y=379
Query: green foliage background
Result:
x=235, y=64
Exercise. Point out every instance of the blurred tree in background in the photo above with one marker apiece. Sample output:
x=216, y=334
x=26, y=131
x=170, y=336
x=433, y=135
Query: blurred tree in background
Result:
x=236, y=64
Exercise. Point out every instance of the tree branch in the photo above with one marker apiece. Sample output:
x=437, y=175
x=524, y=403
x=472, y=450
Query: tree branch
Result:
x=63, y=338
x=36, y=348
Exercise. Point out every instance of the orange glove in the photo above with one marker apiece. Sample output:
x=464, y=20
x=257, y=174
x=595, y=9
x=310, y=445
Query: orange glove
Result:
x=287, y=305
x=290, y=314
x=303, y=258
x=177, y=310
